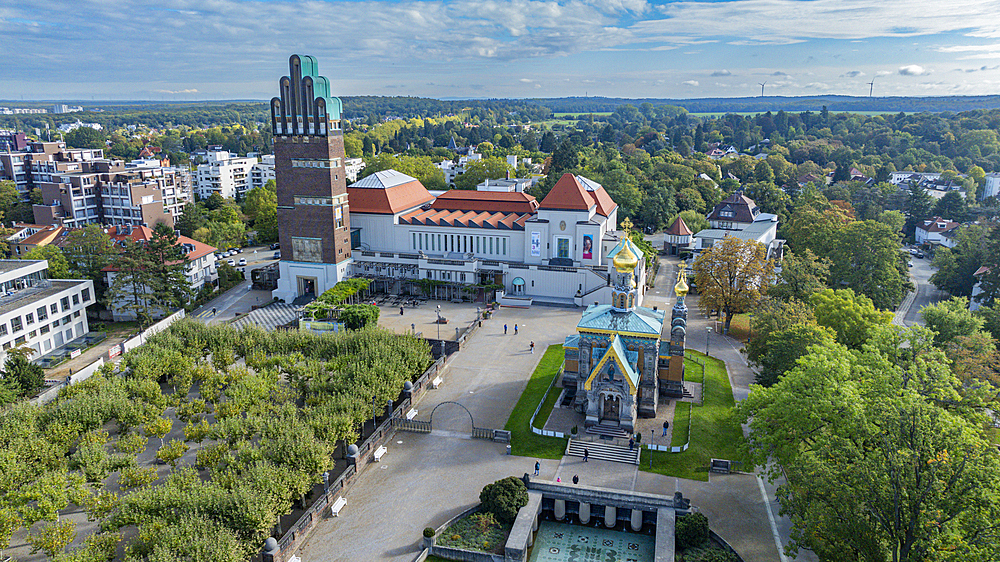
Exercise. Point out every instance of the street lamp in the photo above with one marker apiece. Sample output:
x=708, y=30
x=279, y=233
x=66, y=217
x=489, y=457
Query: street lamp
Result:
x=439, y=320
x=708, y=332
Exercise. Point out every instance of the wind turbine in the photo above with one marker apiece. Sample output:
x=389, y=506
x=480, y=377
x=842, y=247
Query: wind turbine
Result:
x=871, y=86
x=762, y=88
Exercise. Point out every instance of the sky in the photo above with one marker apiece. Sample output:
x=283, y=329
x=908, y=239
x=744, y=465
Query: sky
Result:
x=236, y=49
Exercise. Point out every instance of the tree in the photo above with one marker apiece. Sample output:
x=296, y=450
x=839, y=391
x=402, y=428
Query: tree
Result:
x=786, y=346
x=172, y=451
x=951, y=319
x=158, y=428
x=191, y=219
x=732, y=276
x=866, y=258
x=9, y=198
x=895, y=220
x=357, y=316
x=802, y=274
x=853, y=317
x=84, y=137
x=952, y=207
x=58, y=265
x=479, y=171
x=874, y=469
x=23, y=375
x=127, y=290
x=762, y=172
x=53, y=537
x=504, y=498
x=88, y=251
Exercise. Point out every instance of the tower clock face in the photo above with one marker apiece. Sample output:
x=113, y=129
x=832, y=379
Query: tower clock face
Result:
x=562, y=225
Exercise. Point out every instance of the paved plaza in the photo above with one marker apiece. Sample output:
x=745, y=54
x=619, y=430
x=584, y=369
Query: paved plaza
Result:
x=425, y=479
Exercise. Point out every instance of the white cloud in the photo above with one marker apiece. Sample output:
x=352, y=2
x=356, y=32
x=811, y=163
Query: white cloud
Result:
x=722, y=72
x=883, y=73
x=186, y=91
x=690, y=82
x=526, y=80
x=913, y=70
x=852, y=74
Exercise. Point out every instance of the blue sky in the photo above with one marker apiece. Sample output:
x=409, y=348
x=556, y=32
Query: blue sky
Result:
x=225, y=49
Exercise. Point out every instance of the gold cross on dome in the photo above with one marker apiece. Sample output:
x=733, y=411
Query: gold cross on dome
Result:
x=627, y=226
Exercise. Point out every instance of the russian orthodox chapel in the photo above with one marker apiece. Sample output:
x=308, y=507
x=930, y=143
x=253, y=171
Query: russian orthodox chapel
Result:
x=618, y=364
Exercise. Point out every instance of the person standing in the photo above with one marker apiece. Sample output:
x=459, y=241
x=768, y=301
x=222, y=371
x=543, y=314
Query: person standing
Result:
x=576, y=479
x=515, y=329
x=538, y=466
x=586, y=454
x=532, y=346
x=505, y=329
x=666, y=425
x=401, y=311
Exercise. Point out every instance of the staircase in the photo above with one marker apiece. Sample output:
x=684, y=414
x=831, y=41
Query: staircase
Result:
x=609, y=431
x=603, y=451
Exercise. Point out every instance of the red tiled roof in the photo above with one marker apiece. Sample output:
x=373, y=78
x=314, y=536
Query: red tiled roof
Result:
x=568, y=194
x=388, y=201
x=144, y=233
x=491, y=201
x=679, y=228
x=981, y=271
x=743, y=208
x=603, y=201
x=931, y=225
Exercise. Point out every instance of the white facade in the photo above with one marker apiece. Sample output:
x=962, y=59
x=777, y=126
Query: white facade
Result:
x=991, y=187
x=262, y=171
x=38, y=312
x=321, y=276
x=225, y=174
x=353, y=167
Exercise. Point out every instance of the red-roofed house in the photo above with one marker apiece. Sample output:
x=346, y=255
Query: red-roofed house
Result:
x=677, y=237
x=977, y=289
x=199, y=256
x=937, y=231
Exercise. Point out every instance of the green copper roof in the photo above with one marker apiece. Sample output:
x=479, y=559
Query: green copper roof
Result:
x=604, y=317
x=618, y=247
x=572, y=342
x=625, y=359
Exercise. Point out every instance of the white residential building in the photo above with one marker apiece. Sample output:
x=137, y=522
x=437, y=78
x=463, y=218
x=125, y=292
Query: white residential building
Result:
x=452, y=169
x=226, y=174
x=262, y=171
x=41, y=313
x=353, y=167
x=991, y=187
x=739, y=216
x=200, y=258
x=938, y=231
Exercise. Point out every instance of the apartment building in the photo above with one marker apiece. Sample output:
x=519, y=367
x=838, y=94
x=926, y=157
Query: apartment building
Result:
x=109, y=192
x=262, y=171
x=41, y=313
x=226, y=174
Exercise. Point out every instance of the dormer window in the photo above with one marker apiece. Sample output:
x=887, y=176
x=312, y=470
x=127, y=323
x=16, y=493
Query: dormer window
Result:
x=727, y=213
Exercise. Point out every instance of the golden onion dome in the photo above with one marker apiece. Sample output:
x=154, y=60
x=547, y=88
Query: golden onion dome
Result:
x=681, y=288
x=625, y=261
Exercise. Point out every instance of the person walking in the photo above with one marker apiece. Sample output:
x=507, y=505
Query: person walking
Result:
x=631, y=443
x=576, y=479
x=538, y=466
x=532, y=346
x=505, y=329
x=586, y=454
x=515, y=329
x=401, y=311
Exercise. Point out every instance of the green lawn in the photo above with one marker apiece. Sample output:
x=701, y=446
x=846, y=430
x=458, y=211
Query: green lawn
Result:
x=715, y=432
x=522, y=441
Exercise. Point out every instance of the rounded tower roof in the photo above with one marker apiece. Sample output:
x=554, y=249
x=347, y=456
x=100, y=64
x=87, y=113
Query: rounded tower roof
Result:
x=681, y=288
x=625, y=260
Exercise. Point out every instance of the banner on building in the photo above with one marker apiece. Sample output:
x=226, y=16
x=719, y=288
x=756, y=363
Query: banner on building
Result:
x=536, y=243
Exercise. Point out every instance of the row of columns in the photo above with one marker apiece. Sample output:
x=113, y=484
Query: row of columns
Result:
x=610, y=515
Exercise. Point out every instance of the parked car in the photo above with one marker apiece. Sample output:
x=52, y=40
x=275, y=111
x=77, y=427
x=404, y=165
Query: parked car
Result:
x=913, y=251
x=275, y=246
x=277, y=255
x=920, y=255
x=910, y=264
x=231, y=262
x=243, y=261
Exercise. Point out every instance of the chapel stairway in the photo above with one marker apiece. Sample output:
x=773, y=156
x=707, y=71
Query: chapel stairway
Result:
x=608, y=431
x=600, y=451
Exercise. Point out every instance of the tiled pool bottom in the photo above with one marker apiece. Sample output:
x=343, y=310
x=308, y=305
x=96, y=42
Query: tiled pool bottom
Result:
x=560, y=542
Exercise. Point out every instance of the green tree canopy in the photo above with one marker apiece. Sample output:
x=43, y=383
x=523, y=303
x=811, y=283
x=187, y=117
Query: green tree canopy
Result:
x=478, y=171
x=951, y=319
x=851, y=316
x=58, y=265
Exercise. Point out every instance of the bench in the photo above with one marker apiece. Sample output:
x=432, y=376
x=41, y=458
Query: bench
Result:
x=380, y=452
x=411, y=414
x=436, y=382
x=338, y=505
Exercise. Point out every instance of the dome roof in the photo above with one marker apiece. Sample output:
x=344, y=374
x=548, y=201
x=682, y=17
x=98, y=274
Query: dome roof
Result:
x=625, y=261
x=681, y=288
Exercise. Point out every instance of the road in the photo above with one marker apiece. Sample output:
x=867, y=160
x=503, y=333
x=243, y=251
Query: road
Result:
x=926, y=293
x=240, y=298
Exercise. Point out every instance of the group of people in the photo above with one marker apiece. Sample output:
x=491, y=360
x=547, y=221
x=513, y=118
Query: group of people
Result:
x=531, y=346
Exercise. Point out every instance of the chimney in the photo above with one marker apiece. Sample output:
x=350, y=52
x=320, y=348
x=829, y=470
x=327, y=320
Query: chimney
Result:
x=654, y=309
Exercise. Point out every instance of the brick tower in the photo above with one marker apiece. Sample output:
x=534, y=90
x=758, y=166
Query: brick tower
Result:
x=313, y=216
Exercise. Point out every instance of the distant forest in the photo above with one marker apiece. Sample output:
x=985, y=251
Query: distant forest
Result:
x=372, y=109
